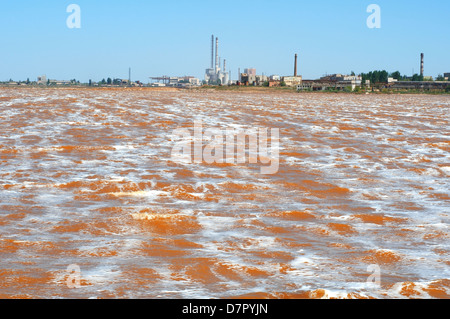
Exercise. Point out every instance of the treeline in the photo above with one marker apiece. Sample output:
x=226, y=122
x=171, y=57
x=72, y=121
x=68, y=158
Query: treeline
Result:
x=109, y=81
x=382, y=77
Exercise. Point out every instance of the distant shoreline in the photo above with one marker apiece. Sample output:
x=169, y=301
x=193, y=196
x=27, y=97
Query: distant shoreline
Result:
x=230, y=89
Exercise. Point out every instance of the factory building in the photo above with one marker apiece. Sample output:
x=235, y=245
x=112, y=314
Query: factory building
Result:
x=215, y=75
x=249, y=77
x=253, y=79
x=250, y=71
x=175, y=81
x=292, y=80
x=295, y=80
x=334, y=81
x=420, y=85
x=42, y=79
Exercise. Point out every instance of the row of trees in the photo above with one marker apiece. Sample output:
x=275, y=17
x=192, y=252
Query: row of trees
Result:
x=382, y=77
x=109, y=81
x=375, y=76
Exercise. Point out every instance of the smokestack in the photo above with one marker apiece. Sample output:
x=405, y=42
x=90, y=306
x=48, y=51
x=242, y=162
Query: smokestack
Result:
x=421, y=63
x=212, y=51
x=224, y=65
x=295, y=66
x=217, y=55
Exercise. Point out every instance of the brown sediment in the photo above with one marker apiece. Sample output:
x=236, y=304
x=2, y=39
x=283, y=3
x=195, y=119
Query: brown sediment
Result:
x=198, y=270
x=301, y=295
x=342, y=229
x=228, y=271
x=318, y=189
x=379, y=219
x=293, y=215
x=22, y=278
x=439, y=289
x=280, y=256
x=436, y=235
x=440, y=196
x=96, y=227
x=381, y=257
x=168, y=224
x=409, y=290
x=141, y=276
x=341, y=246
x=161, y=250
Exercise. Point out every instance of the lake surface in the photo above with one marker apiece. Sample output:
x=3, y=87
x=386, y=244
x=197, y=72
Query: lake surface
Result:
x=87, y=180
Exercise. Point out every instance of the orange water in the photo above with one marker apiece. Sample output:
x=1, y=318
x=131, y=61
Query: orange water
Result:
x=86, y=178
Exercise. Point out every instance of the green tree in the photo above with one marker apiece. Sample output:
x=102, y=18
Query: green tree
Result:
x=375, y=76
x=109, y=81
x=384, y=76
x=440, y=77
x=396, y=75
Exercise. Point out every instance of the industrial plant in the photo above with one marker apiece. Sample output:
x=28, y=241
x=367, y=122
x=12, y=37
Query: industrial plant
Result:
x=218, y=75
x=215, y=75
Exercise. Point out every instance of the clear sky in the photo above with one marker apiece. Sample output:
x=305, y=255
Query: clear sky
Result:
x=173, y=38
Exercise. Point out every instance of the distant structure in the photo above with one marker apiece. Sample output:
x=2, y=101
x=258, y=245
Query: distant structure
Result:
x=215, y=75
x=175, y=81
x=250, y=71
x=295, y=80
x=334, y=81
x=42, y=79
x=421, y=63
x=447, y=76
x=420, y=85
x=249, y=78
x=295, y=65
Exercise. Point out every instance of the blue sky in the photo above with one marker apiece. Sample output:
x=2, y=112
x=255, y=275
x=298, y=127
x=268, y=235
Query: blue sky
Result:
x=157, y=38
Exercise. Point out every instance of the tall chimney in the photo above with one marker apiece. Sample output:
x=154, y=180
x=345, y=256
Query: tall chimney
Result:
x=212, y=51
x=217, y=55
x=224, y=65
x=295, y=66
x=421, y=64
